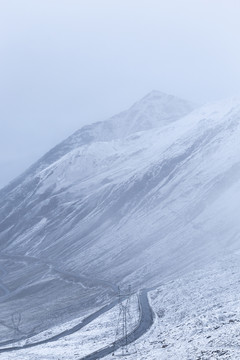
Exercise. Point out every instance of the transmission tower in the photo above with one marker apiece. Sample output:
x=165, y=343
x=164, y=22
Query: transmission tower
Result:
x=16, y=322
x=124, y=320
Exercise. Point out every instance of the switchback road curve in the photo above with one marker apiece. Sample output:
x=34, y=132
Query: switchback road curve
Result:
x=145, y=322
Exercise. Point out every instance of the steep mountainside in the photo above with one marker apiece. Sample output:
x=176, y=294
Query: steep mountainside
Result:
x=66, y=211
x=196, y=317
x=134, y=208
x=154, y=110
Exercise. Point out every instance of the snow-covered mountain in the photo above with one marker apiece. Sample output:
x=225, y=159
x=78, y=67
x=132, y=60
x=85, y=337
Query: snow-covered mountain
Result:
x=149, y=194
x=33, y=212
x=92, y=150
x=154, y=110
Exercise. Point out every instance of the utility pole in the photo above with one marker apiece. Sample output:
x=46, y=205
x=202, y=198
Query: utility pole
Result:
x=123, y=320
x=16, y=322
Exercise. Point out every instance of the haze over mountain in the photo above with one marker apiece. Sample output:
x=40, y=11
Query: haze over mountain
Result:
x=149, y=194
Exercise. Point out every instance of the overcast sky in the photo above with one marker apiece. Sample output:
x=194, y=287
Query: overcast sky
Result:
x=65, y=63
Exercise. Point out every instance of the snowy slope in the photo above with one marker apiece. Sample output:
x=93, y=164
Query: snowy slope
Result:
x=41, y=209
x=105, y=193
x=154, y=110
x=139, y=207
x=197, y=317
x=36, y=189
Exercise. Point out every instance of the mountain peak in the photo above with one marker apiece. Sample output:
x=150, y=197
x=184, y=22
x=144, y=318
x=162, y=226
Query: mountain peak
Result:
x=155, y=94
x=156, y=109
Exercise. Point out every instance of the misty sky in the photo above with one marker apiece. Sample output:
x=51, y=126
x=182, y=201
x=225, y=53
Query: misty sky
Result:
x=65, y=63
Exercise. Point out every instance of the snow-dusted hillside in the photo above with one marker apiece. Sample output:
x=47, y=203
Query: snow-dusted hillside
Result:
x=67, y=190
x=109, y=207
x=196, y=317
x=154, y=110
x=34, y=212
x=148, y=195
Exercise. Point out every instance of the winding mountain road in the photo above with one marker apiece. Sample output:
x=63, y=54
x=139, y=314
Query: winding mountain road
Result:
x=145, y=319
x=145, y=322
x=65, y=276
